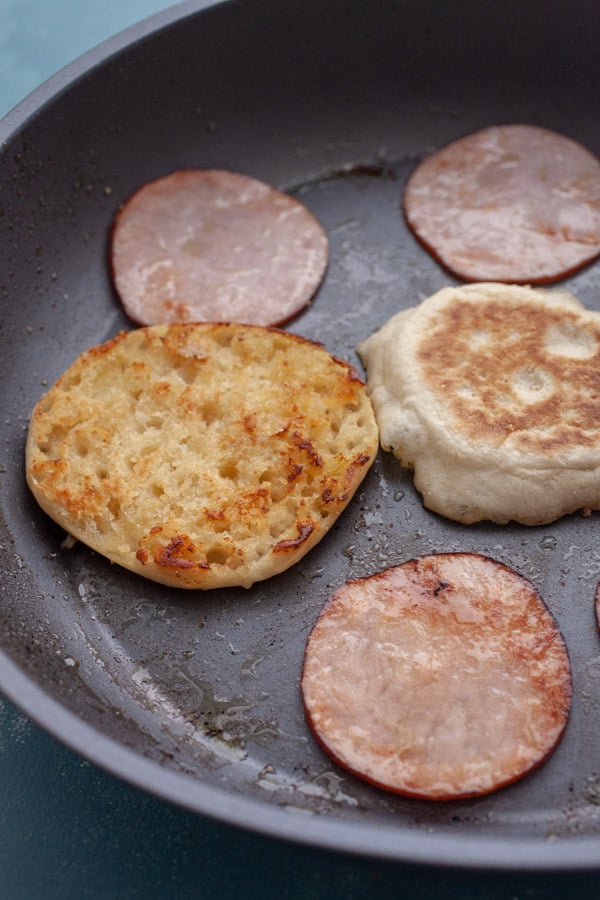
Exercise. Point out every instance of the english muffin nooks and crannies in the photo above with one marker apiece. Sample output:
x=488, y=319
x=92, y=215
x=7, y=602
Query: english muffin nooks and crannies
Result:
x=211, y=245
x=491, y=392
x=201, y=456
x=443, y=677
x=511, y=203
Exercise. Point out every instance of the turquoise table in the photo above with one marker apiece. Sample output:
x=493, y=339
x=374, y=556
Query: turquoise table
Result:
x=69, y=830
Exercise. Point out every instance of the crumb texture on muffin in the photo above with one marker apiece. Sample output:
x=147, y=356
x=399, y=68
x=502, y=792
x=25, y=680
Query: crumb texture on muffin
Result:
x=204, y=455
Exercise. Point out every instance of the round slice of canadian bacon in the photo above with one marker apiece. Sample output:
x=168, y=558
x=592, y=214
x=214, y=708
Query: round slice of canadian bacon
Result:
x=211, y=245
x=510, y=203
x=441, y=678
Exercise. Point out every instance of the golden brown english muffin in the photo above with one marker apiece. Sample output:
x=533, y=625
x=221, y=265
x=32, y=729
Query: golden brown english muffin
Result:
x=201, y=455
x=491, y=392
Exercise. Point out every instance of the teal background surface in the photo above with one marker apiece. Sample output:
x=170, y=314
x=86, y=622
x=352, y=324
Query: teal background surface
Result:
x=69, y=830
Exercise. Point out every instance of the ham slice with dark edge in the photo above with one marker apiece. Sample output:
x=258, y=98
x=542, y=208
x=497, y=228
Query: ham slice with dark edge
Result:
x=441, y=678
x=211, y=245
x=511, y=203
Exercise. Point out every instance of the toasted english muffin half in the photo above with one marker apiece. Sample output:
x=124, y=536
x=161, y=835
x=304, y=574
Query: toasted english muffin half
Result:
x=201, y=455
x=491, y=392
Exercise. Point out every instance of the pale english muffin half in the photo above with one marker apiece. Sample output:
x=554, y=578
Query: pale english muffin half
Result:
x=202, y=455
x=491, y=392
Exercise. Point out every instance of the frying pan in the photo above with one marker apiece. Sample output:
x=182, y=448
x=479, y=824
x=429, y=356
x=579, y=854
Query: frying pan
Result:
x=195, y=696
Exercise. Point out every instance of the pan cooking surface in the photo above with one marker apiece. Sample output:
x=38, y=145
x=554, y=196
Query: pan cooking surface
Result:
x=196, y=695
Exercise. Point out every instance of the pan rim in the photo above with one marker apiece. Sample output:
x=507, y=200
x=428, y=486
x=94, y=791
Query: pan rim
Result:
x=400, y=845
x=63, y=79
x=394, y=845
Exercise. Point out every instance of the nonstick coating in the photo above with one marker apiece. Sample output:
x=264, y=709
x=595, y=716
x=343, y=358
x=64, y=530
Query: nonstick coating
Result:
x=195, y=696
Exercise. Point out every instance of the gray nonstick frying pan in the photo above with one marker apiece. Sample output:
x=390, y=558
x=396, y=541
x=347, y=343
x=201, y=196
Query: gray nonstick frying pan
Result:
x=195, y=696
